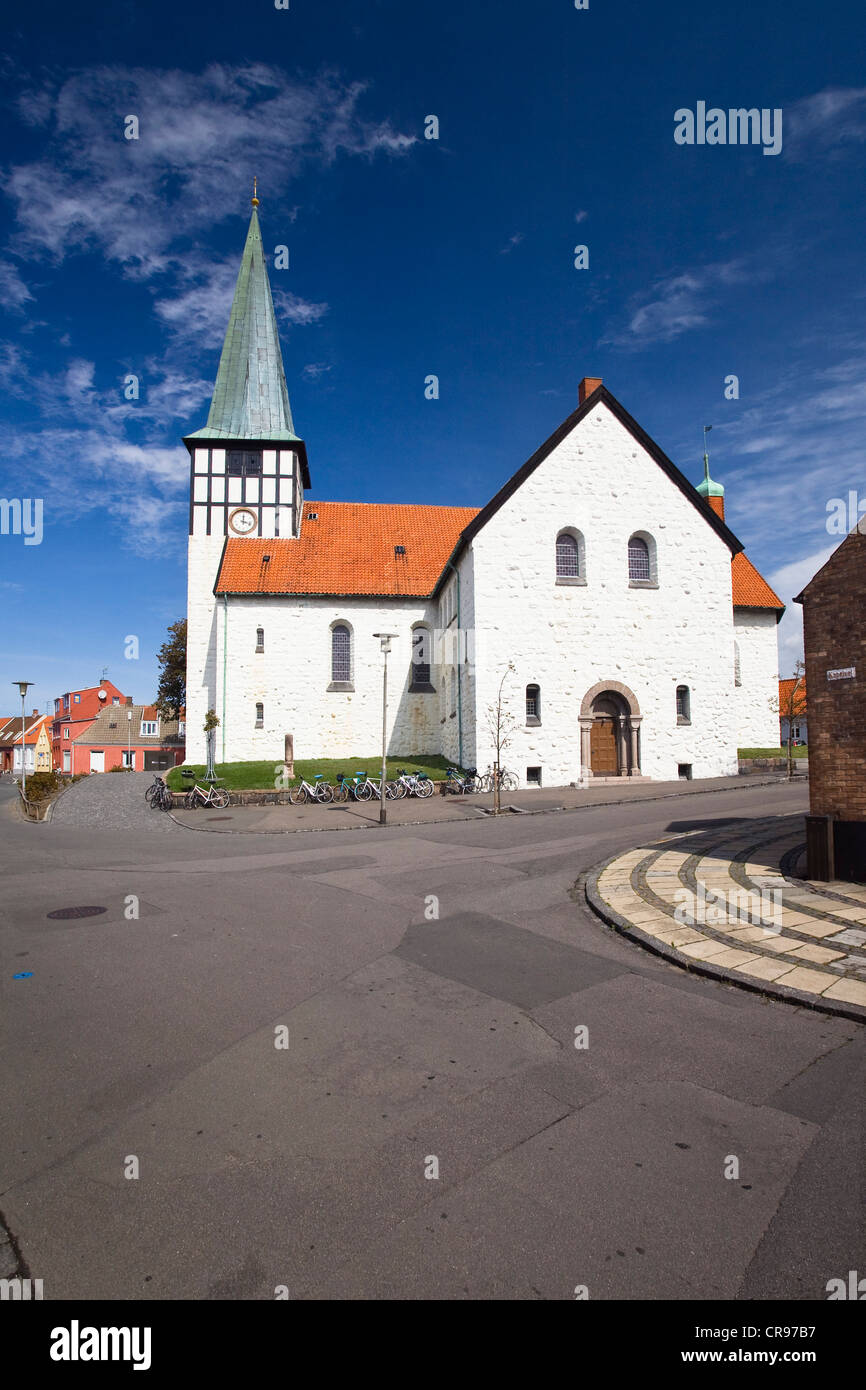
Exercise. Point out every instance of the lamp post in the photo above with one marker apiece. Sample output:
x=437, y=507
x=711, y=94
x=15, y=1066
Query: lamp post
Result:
x=23, y=687
x=385, y=644
x=129, y=738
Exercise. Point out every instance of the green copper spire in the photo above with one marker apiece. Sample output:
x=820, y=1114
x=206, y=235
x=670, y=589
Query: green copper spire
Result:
x=250, y=399
x=706, y=487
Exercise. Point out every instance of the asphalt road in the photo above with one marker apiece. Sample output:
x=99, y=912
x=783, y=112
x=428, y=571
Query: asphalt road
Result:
x=148, y=1044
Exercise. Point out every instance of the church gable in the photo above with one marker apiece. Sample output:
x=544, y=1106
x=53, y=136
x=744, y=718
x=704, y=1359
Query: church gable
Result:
x=599, y=399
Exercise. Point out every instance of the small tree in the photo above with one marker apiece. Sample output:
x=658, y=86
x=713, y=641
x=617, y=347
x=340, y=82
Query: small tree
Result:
x=501, y=725
x=211, y=724
x=790, y=706
x=171, y=693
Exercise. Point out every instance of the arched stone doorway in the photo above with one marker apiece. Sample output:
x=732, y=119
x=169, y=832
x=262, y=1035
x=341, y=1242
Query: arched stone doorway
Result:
x=610, y=721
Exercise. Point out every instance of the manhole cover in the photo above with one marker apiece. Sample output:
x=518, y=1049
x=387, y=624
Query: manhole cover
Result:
x=64, y=913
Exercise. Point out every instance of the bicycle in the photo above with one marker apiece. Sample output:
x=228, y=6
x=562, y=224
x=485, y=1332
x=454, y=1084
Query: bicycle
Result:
x=369, y=790
x=347, y=786
x=507, y=781
x=214, y=796
x=462, y=784
x=158, y=796
x=412, y=784
x=322, y=792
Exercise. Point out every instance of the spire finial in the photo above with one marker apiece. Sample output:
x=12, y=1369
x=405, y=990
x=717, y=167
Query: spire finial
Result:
x=254, y=200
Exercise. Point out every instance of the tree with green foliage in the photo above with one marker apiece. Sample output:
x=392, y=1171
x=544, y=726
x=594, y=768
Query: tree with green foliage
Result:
x=171, y=694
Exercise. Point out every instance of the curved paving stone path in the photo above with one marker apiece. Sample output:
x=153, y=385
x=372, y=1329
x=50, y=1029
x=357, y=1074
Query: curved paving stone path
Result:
x=112, y=801
x=720, y=902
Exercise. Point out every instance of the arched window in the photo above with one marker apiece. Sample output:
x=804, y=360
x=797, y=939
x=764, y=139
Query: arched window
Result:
x=738, y=679
x=260, y=716
x=638, y=561
x=453, y=690
x=684, y=705
x=567, y=556
x=341, y=656
x=533, y=704
x=570, y=558
x=260, y=639
x=419, y=674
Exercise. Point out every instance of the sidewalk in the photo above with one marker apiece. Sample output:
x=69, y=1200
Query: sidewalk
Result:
x=725, y=903
x=363, y=815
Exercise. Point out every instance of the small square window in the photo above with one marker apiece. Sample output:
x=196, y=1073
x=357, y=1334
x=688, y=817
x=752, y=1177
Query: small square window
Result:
x=684, y=772
x=533, y=776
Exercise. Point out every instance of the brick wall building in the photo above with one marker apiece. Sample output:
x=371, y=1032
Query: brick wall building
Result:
x=834, y=609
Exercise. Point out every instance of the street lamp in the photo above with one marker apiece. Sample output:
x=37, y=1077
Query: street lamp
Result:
x=23, y=687
x=385, y=644
x=129, y=738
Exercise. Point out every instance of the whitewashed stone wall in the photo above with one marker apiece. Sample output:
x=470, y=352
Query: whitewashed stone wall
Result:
x=566, y=638
x=290, y=678
x=756, y=699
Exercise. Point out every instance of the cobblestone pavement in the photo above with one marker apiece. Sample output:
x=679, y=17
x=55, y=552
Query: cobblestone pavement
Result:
x=727, y=905
x=111, y=800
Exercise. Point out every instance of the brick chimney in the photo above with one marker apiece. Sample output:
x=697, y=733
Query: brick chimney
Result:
x=129, y=699
x=587, y=386
x=718, y=506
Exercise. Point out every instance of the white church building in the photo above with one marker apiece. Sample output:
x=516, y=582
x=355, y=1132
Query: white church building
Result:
x=599, y=589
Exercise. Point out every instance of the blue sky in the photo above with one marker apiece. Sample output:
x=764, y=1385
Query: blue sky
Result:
x=411, y=256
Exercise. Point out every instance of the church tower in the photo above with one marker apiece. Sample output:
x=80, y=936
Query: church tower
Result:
x=248, y=472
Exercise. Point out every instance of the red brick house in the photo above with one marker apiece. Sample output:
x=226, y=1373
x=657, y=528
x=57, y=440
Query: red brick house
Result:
x=129, y=735
x=73, y=713
x=834, y=632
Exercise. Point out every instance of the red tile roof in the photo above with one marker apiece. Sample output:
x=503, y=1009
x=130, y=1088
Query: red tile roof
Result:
x=349, y=549
x=751, y=590
x=786, y=689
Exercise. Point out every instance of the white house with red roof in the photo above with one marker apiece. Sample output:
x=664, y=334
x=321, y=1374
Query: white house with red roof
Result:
x=634, y=636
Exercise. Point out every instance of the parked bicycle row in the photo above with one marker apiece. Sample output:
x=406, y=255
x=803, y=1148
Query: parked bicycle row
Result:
x=355, y=786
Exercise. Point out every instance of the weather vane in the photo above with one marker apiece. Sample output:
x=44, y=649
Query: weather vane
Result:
x=254, y=199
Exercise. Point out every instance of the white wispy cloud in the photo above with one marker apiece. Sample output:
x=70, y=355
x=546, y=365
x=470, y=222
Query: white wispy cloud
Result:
x=825, y=123
x=514, y=240
x=788, y=581
x=676, y=303
x=14, y=294
x=314, y=371
x=200, y=137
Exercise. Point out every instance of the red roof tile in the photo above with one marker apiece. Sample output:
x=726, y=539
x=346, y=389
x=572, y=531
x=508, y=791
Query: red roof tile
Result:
x=349, y=549
x=786, y=689
x=750, y=589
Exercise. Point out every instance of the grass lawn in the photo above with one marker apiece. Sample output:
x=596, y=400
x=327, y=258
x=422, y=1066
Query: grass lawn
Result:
x=263, y=776
x=772, y=752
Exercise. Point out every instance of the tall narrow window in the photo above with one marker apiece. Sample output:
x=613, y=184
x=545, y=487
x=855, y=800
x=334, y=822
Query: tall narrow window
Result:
x=260, y=639
x=738, y=679
x=533, y=704
x=341, y=655
x=684, y=705
x=453, y=690
x=260, y=716
x=419, y=675
x=638, y=560
x=567, y=557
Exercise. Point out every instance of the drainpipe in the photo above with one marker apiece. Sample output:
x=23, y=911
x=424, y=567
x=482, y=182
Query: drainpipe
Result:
x=225, y=664
x=459, y=671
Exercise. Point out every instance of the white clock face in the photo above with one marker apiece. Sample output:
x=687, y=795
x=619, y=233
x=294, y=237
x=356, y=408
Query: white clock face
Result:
x=242, y=521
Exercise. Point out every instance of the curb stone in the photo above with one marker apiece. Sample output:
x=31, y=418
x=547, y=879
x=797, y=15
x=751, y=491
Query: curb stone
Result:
x=753, y=782
x=781, y=993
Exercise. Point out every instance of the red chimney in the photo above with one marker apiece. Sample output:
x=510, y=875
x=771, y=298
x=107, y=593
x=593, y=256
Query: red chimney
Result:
x=587, y=386
x=718, y=506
